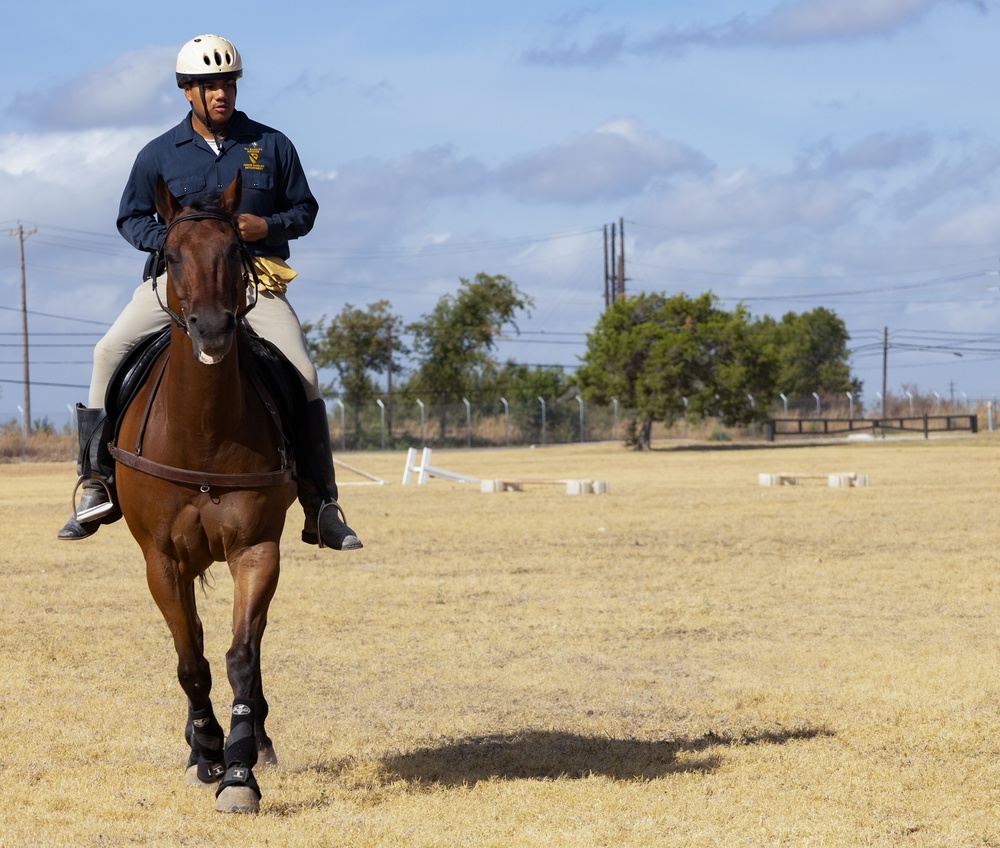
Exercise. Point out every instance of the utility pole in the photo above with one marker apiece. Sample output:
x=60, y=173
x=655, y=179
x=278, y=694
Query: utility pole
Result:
x=621, y=260
x=885, y=365
x=21, y=235
x=614, y=263
x=388, y=342
x=608, y=296
x=614, y=266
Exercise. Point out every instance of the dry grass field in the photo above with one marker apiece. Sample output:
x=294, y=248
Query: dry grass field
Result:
x=691, y=660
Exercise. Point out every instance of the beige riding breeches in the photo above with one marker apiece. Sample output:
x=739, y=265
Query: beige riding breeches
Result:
x=272, y=318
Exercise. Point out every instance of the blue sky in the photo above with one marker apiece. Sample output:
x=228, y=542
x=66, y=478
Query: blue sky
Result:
x=836, y=153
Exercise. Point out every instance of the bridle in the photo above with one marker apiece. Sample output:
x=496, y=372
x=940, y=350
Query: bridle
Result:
x=205, y=480
x=249, y=271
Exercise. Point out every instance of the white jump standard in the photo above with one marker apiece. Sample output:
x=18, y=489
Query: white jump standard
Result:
x=834, y=481
x=425, y=470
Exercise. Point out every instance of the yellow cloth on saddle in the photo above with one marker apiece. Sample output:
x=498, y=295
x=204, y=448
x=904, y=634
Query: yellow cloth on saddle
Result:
x=273, y=273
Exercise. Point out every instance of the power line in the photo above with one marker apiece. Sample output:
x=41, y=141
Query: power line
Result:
x=76, y=344
x=443, y=248
x=60, y=317
x=52, y=385
x=775, y=243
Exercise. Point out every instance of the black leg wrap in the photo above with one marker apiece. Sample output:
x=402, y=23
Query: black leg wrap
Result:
x=239, y=775
x=241, y=748
x=205, y=736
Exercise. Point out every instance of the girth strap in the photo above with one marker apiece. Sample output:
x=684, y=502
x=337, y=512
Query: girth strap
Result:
x=206, y=480
x=200, y=478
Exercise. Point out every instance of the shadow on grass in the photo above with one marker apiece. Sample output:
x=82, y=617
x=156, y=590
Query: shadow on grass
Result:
x=541, y=755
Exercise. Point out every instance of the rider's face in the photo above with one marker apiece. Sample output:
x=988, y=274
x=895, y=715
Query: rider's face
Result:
x=220, y=97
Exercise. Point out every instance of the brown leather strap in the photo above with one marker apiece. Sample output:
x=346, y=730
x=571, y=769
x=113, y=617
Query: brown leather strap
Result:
x=149, y=401
x=200, y=478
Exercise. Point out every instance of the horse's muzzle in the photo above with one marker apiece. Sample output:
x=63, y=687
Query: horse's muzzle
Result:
x=211, y=336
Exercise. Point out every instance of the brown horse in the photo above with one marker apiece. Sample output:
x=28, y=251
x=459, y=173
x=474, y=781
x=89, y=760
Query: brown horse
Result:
x=202, y=478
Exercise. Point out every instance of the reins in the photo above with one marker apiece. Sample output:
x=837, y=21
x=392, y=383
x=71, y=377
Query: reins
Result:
x=249, y=271
x=204, y=480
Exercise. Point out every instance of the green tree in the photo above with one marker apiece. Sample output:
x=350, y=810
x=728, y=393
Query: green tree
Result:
x=666, y=357
x=517, y=381
x=454, y=344
x=814, y=355
x=522, y=385
x=358, y=344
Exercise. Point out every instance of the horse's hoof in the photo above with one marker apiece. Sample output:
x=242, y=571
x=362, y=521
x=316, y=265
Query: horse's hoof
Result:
x=266, y=757
x=191, y=779
x=237, y=799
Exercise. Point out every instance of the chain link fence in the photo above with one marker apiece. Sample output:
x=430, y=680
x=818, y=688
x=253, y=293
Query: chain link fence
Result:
x=492, y=423
x=499, y=422
x=381, y=425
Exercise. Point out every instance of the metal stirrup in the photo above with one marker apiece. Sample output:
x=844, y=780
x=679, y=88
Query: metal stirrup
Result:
x=319, y=518
x=88, y=516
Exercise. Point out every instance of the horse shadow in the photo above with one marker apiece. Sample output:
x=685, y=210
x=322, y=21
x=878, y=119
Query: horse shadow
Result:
x=550, y=755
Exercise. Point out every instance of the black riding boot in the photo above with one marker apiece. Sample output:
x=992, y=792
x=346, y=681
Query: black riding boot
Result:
x=95, y=470
x=317, y=487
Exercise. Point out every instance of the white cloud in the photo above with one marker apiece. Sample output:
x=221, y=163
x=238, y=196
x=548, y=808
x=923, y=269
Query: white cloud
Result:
x=364, y=199
x=956, y=176
x=605, y=48
x=66, y=177
x=74, y=159
x=791, y=23
x=753, y=200
x=617, y=160
x=367, y=198
x=802, y=21
x=880, y=151
x=137, y=89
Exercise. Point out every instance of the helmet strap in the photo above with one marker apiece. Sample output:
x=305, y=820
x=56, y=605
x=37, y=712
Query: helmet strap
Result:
x=207, y=121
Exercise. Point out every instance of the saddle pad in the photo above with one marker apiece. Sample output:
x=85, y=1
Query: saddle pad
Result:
x=266, y=363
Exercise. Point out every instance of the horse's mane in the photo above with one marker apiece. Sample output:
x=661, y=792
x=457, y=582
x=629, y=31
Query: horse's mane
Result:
x=211, y=202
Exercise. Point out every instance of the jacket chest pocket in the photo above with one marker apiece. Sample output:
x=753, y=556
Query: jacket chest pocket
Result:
x=260, y=180
x=182, y=186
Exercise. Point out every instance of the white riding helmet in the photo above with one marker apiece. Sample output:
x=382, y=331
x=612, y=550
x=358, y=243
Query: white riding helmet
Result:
x=208, y=57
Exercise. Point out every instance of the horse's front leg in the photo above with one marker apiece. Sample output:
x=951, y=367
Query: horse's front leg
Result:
x=174, y=595
x=265, y=747
x=255, y=578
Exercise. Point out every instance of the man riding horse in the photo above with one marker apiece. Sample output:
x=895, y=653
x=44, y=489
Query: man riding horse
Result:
x=201, y=156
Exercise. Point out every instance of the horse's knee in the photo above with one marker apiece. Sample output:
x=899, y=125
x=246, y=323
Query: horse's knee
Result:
x=243, y=669
x=238, y=656
x=195, y=679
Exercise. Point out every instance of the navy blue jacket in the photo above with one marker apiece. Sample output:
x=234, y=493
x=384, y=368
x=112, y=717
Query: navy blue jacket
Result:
x=274, y=184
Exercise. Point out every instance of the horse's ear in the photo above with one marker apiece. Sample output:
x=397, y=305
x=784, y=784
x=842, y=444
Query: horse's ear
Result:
x=233, y=196
x=166, y=204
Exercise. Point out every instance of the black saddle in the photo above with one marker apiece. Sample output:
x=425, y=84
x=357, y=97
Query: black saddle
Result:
x=266, y=362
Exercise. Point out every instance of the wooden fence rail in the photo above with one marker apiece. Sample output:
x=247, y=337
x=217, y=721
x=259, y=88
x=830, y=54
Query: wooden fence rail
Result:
x=925, y=424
